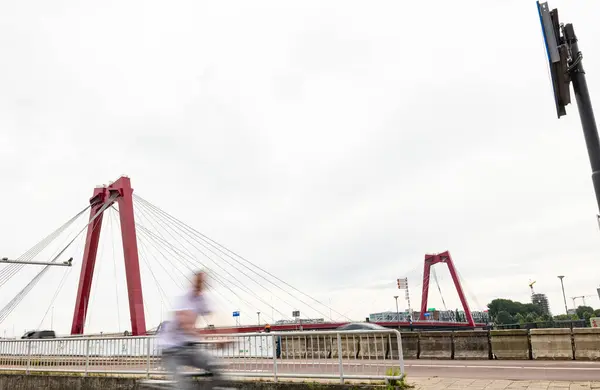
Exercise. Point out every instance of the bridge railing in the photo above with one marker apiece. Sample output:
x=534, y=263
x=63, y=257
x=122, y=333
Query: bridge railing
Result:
x=362, y=354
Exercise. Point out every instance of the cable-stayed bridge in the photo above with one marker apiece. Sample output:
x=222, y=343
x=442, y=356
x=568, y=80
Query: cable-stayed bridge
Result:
x=65, y=279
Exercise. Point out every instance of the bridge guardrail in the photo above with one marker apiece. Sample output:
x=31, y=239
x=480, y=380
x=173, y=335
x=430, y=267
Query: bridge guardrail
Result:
x=361, y=354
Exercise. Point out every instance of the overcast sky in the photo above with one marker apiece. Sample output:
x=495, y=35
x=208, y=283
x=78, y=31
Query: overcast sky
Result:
x=333, y=143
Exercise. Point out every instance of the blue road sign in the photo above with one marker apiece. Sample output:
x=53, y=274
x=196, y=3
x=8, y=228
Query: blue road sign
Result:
x=550, y=39
x=236, y=313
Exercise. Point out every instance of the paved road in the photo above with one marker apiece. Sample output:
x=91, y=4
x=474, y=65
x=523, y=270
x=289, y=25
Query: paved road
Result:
x=472, y=369
x=501, y=369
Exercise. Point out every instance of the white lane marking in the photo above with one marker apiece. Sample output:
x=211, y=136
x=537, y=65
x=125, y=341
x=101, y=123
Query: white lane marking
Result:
x=503, y=367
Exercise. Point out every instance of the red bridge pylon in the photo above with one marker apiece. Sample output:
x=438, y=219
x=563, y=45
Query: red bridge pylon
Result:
x=119, y=192
x=444, y=257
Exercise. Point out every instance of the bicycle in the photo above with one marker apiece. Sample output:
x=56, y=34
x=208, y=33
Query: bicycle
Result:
x=165, y=384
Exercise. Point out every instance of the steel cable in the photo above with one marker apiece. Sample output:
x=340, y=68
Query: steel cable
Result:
x=204, y=241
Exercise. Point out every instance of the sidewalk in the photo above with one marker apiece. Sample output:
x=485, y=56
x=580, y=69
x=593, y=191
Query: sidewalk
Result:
x=485, y=384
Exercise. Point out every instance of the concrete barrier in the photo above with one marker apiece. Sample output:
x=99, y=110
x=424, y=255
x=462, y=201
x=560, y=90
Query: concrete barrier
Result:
x=551, y=344
x=510, y=344
x=293, y=347
x=410, y=345
x=351, y=345
x=310, y=346
x=471, y=344
x=373, y=346
x=435, y=345
x=513, y=344
x=318, y=347
x=587, y=343
x=74, y=382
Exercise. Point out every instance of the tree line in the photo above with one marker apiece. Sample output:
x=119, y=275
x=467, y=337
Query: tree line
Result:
x=507, y=312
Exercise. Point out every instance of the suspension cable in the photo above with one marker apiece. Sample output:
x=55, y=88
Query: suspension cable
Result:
x=6, y=310
x=229, y=253
x=9, y=271
x=177, y=252
x=237, y=281
x=438, y=287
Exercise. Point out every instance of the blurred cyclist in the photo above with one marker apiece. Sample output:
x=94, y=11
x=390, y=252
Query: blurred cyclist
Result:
x=179, y=336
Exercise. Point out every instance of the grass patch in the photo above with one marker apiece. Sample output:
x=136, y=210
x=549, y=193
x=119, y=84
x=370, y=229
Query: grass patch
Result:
x=394, y=384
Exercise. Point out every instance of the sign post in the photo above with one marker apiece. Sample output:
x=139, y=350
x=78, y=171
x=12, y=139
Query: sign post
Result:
x=566, y=66
x=296, y=315
x=403, y=285
x=236, y=315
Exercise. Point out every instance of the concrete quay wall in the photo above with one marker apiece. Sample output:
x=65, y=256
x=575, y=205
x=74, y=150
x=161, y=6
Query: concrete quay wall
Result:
x=78, y=382
x=514, y=344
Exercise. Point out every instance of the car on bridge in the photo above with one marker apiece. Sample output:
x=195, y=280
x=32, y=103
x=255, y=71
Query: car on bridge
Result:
x=39, y=334
x=361, y=326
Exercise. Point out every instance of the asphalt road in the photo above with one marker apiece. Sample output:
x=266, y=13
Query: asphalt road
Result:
x=505, y=369
x=467, y=369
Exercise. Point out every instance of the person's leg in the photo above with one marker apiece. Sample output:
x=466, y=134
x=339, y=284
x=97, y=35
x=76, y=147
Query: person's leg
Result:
x=174, y=362
x=200, y=358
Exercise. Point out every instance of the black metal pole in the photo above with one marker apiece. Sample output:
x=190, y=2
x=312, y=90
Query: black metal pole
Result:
x=584, y=106
x=563, y=291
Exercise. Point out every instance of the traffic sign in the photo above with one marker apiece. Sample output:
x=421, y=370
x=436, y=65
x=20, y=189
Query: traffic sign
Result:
x=402, y=283
x=595, y=322
x=236, y=313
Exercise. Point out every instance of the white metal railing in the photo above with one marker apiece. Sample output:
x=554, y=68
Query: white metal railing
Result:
x=362, y=354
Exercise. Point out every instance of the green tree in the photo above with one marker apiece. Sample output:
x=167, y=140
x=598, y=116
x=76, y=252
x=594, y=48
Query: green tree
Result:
x=520, y=318
x=511, y=307
x=504, y=318
x=597, y=313
x=584, y=312
x=545, y=318
x=565, y=317
x=531, y=308
x=531, y=317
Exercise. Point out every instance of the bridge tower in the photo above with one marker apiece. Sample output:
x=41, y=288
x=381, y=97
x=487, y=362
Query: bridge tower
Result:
x=119, y=192
x=444, y=257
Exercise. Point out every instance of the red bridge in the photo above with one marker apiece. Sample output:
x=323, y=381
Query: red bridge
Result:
x=178, y=241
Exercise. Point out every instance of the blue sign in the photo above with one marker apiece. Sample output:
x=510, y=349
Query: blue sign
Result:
x=236, y=313
x=427, y=314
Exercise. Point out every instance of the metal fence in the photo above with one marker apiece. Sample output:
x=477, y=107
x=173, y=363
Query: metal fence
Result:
x=363, y=354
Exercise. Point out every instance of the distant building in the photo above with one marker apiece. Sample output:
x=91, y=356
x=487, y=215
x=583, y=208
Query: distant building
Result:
x=391, y=316
x=301, y=321
x=542, y=301
x=480, y=317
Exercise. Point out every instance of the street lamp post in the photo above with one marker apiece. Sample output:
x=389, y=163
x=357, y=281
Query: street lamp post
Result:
x=397, y=312
x=563, y=292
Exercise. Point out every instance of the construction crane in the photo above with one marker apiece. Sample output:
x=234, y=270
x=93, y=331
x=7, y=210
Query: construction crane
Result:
x=582, y=297
x=531, y=286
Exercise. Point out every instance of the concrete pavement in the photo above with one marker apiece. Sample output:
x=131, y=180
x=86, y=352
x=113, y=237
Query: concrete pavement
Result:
x=499, y=384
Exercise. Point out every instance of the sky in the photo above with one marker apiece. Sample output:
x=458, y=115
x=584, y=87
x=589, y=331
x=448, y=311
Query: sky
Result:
x=332, y=144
